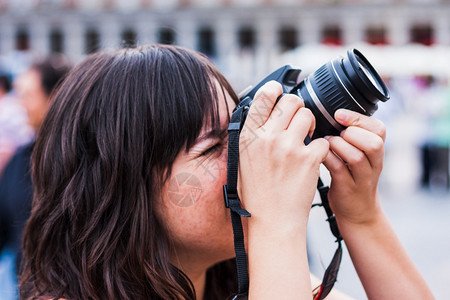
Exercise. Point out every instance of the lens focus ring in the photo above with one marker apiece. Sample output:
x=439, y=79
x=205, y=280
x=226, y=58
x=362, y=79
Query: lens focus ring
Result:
x=324, y=82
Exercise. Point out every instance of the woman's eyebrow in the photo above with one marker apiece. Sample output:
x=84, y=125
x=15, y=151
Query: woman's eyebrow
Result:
x=213, y=133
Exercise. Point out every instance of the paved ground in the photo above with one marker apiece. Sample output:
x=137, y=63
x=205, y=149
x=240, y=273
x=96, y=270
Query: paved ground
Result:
x=421, y=219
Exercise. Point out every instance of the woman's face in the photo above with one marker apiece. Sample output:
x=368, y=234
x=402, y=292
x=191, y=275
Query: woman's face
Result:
x=192, y=200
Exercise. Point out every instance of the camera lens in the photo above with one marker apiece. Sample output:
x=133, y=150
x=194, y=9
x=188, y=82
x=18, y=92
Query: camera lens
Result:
x=350, y=83
x=370, y=76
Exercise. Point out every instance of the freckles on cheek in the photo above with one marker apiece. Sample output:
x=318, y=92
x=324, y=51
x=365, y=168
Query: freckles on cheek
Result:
x=214, y=171
x=184, y=189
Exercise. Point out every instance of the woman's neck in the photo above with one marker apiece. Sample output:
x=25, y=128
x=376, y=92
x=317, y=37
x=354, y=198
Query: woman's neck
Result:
x=199, y=282
x=195, y=270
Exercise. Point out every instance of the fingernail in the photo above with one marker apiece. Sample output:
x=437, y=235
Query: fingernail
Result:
x=327, y=137
x=341, y=115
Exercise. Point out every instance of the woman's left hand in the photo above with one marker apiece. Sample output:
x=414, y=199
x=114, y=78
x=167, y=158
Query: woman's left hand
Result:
x=355, y=161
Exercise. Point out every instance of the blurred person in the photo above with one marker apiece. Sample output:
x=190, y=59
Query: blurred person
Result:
x=14, y=130
x=33, y=89
x=436, y=139
x=128, y=171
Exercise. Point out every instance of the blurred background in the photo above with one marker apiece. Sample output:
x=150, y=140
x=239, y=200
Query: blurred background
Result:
x=407, y=41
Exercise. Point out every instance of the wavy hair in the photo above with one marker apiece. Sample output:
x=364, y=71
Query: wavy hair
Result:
x=104, y=151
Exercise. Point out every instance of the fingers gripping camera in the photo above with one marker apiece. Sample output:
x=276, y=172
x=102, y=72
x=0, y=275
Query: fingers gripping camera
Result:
x=350, y=83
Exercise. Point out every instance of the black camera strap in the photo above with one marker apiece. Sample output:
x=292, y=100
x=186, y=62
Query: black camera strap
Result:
x=232, y=202
x=330, y=276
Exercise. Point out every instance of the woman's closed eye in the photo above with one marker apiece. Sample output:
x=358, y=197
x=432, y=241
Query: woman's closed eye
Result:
x=212, y=146
x=214, y=149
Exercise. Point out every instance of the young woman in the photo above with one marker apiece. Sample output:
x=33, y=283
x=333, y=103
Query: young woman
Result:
x=128, y=171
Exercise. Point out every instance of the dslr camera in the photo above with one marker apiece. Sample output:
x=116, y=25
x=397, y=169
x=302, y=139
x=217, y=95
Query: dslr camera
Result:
x=346, y=82
x=350, y=83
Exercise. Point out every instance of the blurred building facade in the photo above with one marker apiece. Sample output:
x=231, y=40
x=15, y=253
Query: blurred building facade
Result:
x=246, y=38
x=218, y=28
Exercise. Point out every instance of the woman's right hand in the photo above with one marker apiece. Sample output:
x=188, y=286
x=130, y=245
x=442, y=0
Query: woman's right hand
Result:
x=277, y=181
x=278, y=173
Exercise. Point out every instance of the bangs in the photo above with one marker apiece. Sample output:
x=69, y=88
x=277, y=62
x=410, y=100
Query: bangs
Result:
x=185, y=97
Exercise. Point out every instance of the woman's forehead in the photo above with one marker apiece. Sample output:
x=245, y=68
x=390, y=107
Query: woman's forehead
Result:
x=225, y=101
x=219, y=129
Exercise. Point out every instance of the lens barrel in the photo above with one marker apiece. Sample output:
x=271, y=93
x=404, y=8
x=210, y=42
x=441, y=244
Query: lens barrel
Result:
x=350, y=83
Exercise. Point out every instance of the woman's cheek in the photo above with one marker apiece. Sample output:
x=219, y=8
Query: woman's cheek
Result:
x=184, y=189
x=213, y=169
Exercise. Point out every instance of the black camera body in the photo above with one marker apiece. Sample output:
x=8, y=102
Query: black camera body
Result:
x=350, y=83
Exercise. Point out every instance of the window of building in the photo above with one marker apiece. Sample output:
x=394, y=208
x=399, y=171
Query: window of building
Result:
x=46, y=3
x=71, y=4
x=129, y=38
x=184, y=3
x=376, y=36
x=422, y=34
x=3, y=5
x=206, y=41
x=288, y=38
x=166, y=36
x=108, y=4
x=332, y=35
x=22, y=39
x=247, y=38
x=92, y=41
x=145, y=4
x=56, y=41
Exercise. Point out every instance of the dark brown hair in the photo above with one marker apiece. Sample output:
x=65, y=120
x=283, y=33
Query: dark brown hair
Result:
x=52, y=70
x=115, y=127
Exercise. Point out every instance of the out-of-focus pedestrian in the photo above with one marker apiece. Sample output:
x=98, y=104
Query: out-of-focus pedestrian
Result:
x=33, y=89
x=14, y=129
